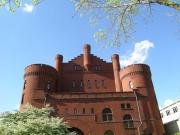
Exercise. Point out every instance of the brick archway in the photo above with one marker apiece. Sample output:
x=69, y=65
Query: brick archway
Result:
x=77, y=130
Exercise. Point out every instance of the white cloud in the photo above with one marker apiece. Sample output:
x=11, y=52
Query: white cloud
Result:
x=167, y=102
x=28, y=7
x=139, y=54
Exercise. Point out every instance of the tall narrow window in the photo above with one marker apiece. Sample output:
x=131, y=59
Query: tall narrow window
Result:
x=127, y=121
x=49, y=86
x=84, y=111
x=75, y=111
x=73, y=84
x=25, y=83
x=107, y=114
x=88, y=84
x=22, y=100
x=81, y=84
x=92, y=110
x=103, y=83
x=131, y=84
x=95, y=84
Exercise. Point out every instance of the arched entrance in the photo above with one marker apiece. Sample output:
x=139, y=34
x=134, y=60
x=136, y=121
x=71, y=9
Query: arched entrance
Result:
x=78, y=131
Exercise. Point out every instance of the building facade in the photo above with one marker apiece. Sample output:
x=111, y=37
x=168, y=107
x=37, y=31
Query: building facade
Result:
x=171, y=118
x=96, y=97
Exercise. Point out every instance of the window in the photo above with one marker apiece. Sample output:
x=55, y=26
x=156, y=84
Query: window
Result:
x=75, y=111
x=131, y=84
x=49, y=86
x=95, y=83
x=122, y=106
x=103, y=83
x=88, y=84
x=22, y=100
x=25, y=83
x=107, y=114
x=81, y=84
x=127, y=121
x=97, y=67
x=77, y=67
x=109, y=132
x=84, y=110
x=168, y=112
x=161, y=115
x=73, y=84
x=126, y=106
x=175, y=109
x=92, y=110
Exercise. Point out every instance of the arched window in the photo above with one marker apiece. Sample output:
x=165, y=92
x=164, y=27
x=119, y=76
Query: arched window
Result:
x=131, y=85
x=107, y=114
x=128, y=121
x=109, y=132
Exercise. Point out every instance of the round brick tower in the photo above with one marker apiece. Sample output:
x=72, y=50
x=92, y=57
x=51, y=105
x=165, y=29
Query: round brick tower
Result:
x=137, y=78
x=39, y=81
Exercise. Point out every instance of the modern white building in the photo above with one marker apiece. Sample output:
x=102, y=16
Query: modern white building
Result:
x=171, y=118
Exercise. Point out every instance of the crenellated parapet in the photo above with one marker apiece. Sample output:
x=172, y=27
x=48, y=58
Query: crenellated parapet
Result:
x=135, y=69
x=135, y=76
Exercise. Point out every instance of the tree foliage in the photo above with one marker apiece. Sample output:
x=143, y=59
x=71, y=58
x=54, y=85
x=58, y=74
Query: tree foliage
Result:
x=32, y=121
x=14, y=4
x=118, y=16
x=177, y=133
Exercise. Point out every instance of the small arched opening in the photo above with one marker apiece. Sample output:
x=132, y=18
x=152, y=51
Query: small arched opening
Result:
x=109, y=132
x=76, y=130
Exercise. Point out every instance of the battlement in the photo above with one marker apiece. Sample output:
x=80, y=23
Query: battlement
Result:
x=40, y=69
x=134, y=69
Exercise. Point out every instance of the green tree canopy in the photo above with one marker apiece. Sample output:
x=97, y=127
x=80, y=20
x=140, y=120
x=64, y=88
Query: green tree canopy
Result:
x=32, y=121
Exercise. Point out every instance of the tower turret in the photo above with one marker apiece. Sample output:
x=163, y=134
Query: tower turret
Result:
x=137, y=78
x=39, y=80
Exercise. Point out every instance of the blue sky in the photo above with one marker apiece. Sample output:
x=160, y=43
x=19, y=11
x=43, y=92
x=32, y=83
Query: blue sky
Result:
x=37, y=34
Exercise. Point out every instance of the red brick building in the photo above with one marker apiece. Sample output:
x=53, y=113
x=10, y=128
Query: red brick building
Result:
x=94, y=96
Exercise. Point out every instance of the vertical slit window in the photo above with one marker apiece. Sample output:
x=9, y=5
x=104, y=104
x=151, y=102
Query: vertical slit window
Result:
x=88, y=84
x=25, y=83
x=49, y=86
x=92, y=110
x=84, y=111
x=73, y=84
x=95, y=83
x=81, y=84
x=22, y=100
x=103, y=83
x=75, y=111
